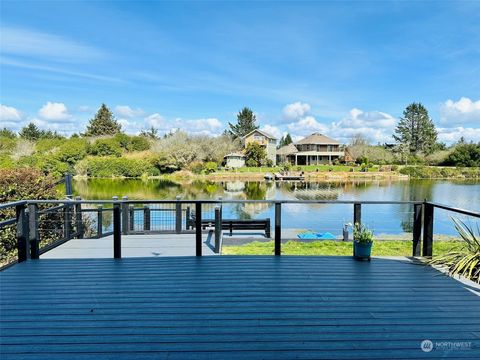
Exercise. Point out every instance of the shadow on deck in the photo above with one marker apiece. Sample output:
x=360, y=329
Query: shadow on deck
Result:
x=233, y=307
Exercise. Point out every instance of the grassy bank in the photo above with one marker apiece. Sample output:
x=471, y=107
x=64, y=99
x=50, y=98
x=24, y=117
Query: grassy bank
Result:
x=380, y=248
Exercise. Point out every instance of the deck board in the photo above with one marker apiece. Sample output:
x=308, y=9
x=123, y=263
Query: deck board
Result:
x=236, y=307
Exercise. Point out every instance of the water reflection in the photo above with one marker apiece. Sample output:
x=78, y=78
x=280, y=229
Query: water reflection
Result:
x=319, y=217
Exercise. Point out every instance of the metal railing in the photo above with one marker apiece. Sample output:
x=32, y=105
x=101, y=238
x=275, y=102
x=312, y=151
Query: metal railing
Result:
x=124, y=217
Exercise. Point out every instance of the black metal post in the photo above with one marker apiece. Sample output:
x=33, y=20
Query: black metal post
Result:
x=33, y=234
x=178, y=216
x=146, y=218
x=68, y=185
x=198, y=229
x=218, y=228
x=357, y=214
x=99, y=221
x=417, y=229
x=125, y=219
x=278, y=229
x=22, y=233
x=427, y=250
x=131, y=222
x=78, y=219
x=187, y=218
x=117, y=233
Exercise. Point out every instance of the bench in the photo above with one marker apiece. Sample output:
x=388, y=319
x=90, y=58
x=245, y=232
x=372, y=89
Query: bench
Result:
x=236, y=224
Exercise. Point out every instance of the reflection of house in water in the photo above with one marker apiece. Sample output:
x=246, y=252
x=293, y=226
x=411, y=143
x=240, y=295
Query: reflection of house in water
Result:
x=234, y=186
x=250, y=190
x=314, y=191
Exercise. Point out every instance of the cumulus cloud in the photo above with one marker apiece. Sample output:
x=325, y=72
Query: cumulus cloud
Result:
x=295, y=110
x=272, y=130
x=452, y=135
x=156, y=120
x=307, y=125
x=9, y=113
x=462, y=111
x=54, y=111
x=127, y=111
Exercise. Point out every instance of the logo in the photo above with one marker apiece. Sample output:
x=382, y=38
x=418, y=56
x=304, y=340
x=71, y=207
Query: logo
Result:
x=426, y=345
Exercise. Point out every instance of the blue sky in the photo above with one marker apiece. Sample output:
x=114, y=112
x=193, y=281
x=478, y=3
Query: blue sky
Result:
x=340, y=68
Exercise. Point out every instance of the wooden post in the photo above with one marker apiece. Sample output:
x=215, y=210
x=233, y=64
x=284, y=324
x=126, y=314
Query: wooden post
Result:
x=417, y=229
x=131, y=222
x=146, y=218
x=78, y=219
x=198, y=229
x=278, y=229
x=117, y=233
x=427, y=250
x=33, y=235
x=218, y=228
x=22, y=234
x=99, y=221
x=178, y=215
x=125, y=219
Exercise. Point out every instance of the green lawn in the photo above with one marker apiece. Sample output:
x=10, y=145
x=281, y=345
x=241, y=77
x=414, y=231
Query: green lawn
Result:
x=380, y=248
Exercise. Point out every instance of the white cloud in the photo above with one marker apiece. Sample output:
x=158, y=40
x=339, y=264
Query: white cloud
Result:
x=452, y=135
x=295, y=110
x=54, y=111
x=18, y=41
x=306, y=125
x=127, y=111
x=156, y=120
x=462, y=111
x=272, y=130
x=9, y=113
x=207, y=126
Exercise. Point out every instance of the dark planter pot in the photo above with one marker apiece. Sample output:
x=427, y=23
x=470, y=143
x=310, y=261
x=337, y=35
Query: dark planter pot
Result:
x=362, y=250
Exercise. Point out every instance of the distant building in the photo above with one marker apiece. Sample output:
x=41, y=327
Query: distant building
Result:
x=264, y=139
x=315, y=149
x=234, y=160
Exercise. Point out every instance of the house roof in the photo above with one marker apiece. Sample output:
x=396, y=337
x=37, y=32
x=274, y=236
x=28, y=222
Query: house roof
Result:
x=287, y=150
x=317, y=139
x=234, y=154
x=261, y=132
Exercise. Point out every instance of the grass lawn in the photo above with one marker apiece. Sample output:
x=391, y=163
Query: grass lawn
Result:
x=380, y=248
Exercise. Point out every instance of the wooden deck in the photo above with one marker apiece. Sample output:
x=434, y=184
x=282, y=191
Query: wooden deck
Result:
x=133, y=246
x=229, y=307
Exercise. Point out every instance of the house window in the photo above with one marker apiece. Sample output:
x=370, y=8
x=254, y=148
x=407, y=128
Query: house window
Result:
x=330, y=148
x=258, y=137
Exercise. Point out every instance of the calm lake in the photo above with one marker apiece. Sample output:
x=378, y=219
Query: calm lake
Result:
x=383, y=219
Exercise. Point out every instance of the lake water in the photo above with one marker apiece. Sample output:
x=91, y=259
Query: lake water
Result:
x=383, y=219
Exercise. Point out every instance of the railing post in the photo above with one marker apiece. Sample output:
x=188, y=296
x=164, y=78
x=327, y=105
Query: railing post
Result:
x=218, y=228
x=187, y=218
x=178, y=215
x=221, y=207
x=125, y=225
x=117, y=233
x=198, y=228
x=99, y=221
x=67, y=219
x=78, y=219
x=146, y=218
x=357, y=214
x=22, y=234
x=427, y=250
x=278, y=228
x=33, y=234
x=68, y=185
x=417, y=229
x=131, y=222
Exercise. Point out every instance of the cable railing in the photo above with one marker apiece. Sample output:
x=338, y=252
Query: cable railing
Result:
x=42, y=225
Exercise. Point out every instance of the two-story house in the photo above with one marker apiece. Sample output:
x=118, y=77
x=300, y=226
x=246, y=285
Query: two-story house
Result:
x=315, y=149
x=264, y=139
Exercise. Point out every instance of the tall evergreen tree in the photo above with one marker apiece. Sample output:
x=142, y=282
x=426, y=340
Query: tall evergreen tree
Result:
x=285, y=140
x=245, y=123
x=104, y=123
x=31, y=132
x=416, y=130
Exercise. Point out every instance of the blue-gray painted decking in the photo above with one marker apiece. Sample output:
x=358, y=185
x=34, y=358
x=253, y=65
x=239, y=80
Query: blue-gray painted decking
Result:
x=228, y=307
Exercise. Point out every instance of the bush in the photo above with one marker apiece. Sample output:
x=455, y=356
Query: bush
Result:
x=115, y=167
x=45, y=145
x=71, y=151
x=106, y=147
x=196, y=167
x=138, y=143
x=210, y=167
x=361, y=160
x=7, y=144
x=466, y=155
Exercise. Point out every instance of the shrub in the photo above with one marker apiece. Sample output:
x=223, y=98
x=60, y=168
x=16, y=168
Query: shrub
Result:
x=45, y=145
x=196, y=167
x=7, y=144
x=361, y=160
x=210, y=167
x=106, y=147
x=71, y=151
x=362, y=234
x=467, y=155
x=115, y=167
x=138, y=143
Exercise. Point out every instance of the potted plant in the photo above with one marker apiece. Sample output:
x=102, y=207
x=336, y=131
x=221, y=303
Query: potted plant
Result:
x=362, y=241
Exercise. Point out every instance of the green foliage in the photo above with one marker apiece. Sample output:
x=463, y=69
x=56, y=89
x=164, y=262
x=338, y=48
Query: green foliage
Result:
x=71, y=151
x=151, y=133
x=361, y=160
x=464, y=154
x=466, y=261
x=7, y=133
x=416, y=130
x=210, y=167
x=7, y=144
x=30, y=132
x=196, y=167
x=115, y=167
x=255, y=155
x=104, y=123
x=245, y=123
x=285, y=140
x=106, y=147
x=432, y=172
x=138, y=143
x=45, y=145
x=6, y=161
x=362, y=234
